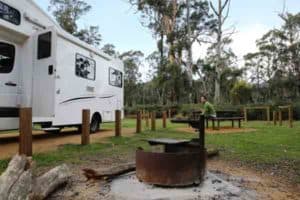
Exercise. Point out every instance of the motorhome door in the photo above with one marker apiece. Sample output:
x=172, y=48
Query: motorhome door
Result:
x=9, y=79
x=44, y=75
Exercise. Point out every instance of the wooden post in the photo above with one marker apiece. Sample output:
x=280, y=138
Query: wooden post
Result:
x=268, y=114
x=147, y=119
x=139, y=122
x=153, y=121
x=170, y=113
x=85, y=135
x=164, y=119
x=118, y=123
x=280, y=117
x=245, y=114
x=25, y=138
x=291, y=116
x=275, y=118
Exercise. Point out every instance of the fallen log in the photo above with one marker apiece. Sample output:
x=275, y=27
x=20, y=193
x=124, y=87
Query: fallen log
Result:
x=50, y=181
x=109, y=174
x=19, y=183
x=15, y=169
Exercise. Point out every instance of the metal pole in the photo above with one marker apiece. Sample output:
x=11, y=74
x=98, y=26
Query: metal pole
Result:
x=202, y=131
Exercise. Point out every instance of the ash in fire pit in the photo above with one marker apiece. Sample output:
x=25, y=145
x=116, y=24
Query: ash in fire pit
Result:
x=128, y=187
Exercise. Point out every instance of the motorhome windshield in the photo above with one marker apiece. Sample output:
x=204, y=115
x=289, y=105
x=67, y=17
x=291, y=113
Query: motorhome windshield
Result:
x=7, y=58
x=9, y=14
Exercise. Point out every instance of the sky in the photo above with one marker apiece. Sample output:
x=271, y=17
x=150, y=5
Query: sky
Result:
x=120, y=24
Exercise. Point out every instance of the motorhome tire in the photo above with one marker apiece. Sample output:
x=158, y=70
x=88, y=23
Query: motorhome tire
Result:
x=56, y=131
x=95, y=123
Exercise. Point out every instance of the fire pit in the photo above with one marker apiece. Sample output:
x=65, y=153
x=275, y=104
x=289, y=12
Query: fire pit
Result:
x=182, y=163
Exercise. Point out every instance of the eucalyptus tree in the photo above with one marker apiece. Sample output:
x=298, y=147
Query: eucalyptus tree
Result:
x=222, y=39
x=132, y=61
x=177, y=24
x=68, y=12
x=110, y=49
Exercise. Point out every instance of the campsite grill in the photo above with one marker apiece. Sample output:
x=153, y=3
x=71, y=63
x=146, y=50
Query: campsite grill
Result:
x=182, y=162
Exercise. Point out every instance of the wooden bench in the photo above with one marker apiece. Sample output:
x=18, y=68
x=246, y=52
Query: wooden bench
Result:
x=225, y=116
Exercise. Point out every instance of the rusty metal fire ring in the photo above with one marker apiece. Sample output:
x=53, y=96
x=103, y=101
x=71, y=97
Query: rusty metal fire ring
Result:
x=171, y=169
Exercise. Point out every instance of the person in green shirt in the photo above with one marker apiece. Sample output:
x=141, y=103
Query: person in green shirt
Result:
x=208, y=109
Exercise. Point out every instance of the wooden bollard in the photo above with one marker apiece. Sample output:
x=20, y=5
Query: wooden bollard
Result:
x=25, y=141
x=268, y=115
x=280, y=117
x=291, y=117
x=164, y=119
x=85, y=135
x=139, y=122
x=118, y=123
x=275, y=118
x=245, y=115
x=147, y=119
x=153, y=121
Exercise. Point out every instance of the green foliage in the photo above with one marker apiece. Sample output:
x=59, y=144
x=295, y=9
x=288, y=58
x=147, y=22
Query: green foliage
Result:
x=132, y=62
x=68, y=12
x=90, y=35
x=109, y=49
x=275, y=68
x=241, y=92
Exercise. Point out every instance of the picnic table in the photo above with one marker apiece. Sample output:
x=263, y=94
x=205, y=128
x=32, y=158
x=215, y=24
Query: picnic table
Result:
x=225, y=116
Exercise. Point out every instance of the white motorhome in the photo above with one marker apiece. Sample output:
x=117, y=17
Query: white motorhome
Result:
x=44, y=67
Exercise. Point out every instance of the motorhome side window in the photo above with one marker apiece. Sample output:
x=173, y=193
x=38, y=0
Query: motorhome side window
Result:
x=85, y=67
x=9, y=14
x=115, y=78
x=7, y=57
x=44, y=45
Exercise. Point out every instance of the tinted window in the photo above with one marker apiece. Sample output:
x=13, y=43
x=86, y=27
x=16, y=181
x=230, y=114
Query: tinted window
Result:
x=115, y=78
x=7, y=57
x=9, y=14
x=44, y=45
x=85, y=67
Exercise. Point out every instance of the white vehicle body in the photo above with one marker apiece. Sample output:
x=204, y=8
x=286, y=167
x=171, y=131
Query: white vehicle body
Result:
x=43, y=67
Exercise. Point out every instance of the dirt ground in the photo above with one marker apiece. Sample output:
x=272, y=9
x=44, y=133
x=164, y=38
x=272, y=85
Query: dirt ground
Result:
x=43, y=142
x=223, y=130
x=265, y=185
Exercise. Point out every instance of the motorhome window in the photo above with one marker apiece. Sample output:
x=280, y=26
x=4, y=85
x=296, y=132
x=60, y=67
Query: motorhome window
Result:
x=44, y=45
x=7, y=58
x=115, y=78
x=9, y=14
x=85, y=67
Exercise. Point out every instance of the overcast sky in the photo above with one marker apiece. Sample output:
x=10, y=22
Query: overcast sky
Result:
x=120, y=25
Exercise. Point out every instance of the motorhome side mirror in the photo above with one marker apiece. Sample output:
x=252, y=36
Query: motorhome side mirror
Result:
x=50, y=69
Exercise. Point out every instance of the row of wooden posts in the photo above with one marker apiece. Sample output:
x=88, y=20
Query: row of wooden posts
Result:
x=277, y=115
x=25, y=128
x=149, y=116
x=25, y=117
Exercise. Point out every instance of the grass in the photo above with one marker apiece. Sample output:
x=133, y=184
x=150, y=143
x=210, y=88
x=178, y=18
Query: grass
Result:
x=268, y=147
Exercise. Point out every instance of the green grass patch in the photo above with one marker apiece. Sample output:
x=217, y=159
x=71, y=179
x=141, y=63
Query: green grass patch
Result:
x=264, y=148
